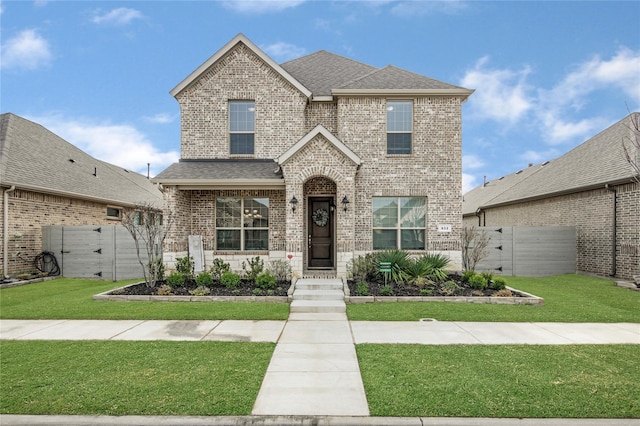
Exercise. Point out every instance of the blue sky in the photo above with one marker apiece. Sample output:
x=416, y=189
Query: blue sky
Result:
x=547, y=75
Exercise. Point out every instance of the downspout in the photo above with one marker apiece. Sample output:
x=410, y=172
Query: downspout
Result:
x=5, y=222
x=479, y=214
x=614, y=230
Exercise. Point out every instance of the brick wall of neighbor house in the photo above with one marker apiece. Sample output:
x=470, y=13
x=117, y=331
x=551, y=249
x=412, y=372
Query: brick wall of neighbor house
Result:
x=240, y=75
x=591, y=212
x=30, y=211
x=433, y=170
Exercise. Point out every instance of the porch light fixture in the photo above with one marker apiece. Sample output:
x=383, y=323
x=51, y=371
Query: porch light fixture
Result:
x=345, y=203
x=294, y=203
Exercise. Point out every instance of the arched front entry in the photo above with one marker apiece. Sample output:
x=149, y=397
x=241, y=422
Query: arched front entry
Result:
x=320, y=223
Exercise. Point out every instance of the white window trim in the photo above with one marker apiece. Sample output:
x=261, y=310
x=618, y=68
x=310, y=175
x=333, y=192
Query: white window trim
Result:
x=241, y=228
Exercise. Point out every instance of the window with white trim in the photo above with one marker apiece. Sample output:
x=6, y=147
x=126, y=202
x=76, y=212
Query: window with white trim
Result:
x=114, y=213
x=242, y=117
x=399, y=222
x=242, y=224
x=399, y=127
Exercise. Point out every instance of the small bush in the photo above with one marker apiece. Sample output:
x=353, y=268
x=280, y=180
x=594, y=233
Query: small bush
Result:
x=386, y=290
x=504, y=293
x=487, y=275
x=467, y=275
x=252, y=268
x=399, y=260
x=426, y=292
x=498, y=284
x=257, y=292
x=422, y=281
x=280, y=269
x=164, y=290
x=266, y=281
x=204, y=279
x=184, y=265
x=200, y=291
x=230, y=280
x=362, y=288
x=175, y=279
x=362, y=268
x=478, y=282
x=218, y=268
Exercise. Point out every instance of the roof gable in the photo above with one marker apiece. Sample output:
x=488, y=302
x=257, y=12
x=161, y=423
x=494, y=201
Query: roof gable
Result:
x=36, y=159
x=240, y=38
x=319, y=129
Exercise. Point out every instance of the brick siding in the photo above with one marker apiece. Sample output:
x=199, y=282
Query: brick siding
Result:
x=591, y=212
x=30, y=211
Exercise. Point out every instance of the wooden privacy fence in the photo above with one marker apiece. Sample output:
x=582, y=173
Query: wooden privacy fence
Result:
x=532, y=251
x=103, y=251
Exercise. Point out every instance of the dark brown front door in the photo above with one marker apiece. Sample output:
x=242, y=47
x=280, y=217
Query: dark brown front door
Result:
x=320, y=228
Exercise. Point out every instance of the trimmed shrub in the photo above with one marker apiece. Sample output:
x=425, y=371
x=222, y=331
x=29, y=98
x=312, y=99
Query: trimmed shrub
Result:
x=252, y=268
x=478, y=282
x=466, y=276
x=204, y=279
x=218, y=268
x=266, y=281
x=362, y=288
x=280, y=269
x=498, y=283
x=184, y=265
x=175, y=279
x=230, y=279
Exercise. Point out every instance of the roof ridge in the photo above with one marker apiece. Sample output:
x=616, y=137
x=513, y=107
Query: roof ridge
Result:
x=369, y=74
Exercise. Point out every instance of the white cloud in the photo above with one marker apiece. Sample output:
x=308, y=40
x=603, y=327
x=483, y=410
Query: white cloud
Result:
x=471, y=162
x=501, y=94
x=534, y=157
x=282, y=51
x=162, y=118
x=119, y=16
x=27, y=50
x=260, y=6
x=408, y=9
x=119, y=144
x=468, y=182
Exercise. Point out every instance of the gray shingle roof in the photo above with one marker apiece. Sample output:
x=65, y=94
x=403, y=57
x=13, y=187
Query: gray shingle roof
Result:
x=596, y=162
x=221, y=170
x=34, y=158
x=393, y=78
x=322, y=71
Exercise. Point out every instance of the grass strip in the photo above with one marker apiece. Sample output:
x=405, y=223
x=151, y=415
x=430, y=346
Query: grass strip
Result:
x=70, y=298
x=595, y=381
x=567, y=298
x=131, y=378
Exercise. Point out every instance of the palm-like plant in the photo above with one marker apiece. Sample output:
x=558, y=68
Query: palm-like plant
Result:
x=399, y=260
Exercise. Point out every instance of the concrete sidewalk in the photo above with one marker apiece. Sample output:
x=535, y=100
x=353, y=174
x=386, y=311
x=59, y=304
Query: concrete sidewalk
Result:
x=418, y=332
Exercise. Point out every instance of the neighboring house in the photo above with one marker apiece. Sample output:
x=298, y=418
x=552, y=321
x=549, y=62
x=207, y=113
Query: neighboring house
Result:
x=313, y=161
x=45, y=180
x=591, y=187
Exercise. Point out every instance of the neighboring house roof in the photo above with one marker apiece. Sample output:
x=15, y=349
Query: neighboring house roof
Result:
x=234, y=173
x=33, y=158
x=240, y=38
x=320, y=130
x=595, y=163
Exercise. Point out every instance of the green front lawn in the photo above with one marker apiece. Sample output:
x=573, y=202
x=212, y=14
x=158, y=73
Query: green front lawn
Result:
x=71, y=298
x=599, y=381
x=567, y=298
x=131, y=378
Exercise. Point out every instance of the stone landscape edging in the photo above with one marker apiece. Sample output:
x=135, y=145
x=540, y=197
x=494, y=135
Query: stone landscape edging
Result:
x=528, y=299
x=106, y=296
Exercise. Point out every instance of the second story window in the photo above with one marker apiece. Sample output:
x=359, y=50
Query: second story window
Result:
x=399, y=127
x=241, y=127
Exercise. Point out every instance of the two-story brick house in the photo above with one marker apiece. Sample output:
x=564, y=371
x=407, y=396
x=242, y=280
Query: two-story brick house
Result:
x=313, y=161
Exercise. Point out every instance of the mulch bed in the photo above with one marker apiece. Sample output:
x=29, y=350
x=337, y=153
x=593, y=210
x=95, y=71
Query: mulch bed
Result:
x=245, y=288
x=435, y=289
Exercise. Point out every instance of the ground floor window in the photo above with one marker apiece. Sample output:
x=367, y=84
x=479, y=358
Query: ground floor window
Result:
x=399, y=222
x=242, y=224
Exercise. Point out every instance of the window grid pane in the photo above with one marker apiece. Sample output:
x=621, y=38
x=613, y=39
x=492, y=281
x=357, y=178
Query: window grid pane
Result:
x=398, y=143
x=241, y=143
x=241, y=116
x=409, y=232
x=235, y=214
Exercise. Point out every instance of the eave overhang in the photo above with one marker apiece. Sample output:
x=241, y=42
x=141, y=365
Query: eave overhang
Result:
x=464, y=93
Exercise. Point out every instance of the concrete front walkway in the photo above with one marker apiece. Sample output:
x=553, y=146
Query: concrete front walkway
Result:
x=425, y=333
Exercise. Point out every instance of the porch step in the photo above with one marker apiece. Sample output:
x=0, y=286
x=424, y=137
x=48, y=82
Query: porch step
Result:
x=319, y=284
x=318, y=294
x=318, y=306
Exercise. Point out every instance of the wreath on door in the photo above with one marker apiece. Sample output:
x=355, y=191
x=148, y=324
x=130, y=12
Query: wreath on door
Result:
x=320, y=217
